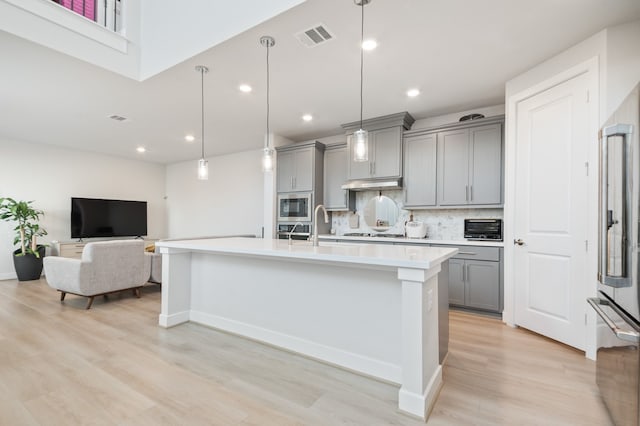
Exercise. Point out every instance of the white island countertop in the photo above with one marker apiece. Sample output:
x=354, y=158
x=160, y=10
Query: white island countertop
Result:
x=394, y=256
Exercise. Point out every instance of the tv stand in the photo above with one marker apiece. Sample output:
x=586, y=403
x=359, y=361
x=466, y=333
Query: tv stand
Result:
x=73, y=249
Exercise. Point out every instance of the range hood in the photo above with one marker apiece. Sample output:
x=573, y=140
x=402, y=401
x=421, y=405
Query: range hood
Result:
x=372, y=184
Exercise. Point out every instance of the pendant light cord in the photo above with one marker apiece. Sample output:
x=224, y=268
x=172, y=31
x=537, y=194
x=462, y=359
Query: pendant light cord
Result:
x=202, y=91
x=267, y=141
x=361, y=56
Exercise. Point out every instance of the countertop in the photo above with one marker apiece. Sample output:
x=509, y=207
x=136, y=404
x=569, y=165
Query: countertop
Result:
x=416, y=241
x=385, y=255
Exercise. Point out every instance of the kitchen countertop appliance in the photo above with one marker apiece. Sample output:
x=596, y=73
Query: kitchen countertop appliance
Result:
x=483, y=229
x=617, y=304
x=415, y=229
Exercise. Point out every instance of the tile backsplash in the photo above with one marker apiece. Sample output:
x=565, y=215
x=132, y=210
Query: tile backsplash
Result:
x=442, y=224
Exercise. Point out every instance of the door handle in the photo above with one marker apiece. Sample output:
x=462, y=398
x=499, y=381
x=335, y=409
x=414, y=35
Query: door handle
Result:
x=606, y=217
x=629, y=336
x=518, y=242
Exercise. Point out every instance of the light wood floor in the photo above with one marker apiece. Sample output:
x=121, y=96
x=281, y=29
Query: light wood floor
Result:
x=62, y=365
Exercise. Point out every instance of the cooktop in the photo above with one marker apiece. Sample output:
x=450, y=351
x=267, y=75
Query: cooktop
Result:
x=368, y=234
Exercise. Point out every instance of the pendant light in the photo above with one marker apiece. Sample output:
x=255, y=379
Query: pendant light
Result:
x=267, y=157
x=361, y=136
x=203, y=165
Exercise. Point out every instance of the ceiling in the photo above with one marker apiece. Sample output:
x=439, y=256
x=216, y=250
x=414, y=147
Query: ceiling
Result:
x=459, y=53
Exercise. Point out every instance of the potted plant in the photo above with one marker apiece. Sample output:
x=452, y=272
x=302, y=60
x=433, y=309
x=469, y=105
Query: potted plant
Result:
x=27, y=260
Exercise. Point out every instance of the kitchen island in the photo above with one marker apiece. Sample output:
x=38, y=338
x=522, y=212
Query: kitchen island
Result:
x=371, y=308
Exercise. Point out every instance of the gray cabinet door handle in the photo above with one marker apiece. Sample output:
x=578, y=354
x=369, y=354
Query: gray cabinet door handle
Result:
x=470, y=253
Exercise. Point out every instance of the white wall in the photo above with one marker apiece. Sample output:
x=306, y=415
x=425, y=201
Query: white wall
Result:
x=230, y=202
x=172, y=33
x=51, y=176
x=594, y=46
x=623, y=64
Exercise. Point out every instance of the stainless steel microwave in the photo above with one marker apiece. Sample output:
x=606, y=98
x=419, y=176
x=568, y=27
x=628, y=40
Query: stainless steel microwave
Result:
x=295, y=207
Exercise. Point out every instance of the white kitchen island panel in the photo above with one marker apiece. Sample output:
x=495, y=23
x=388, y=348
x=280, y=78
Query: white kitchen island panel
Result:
x=333, y=303
x=319, y=310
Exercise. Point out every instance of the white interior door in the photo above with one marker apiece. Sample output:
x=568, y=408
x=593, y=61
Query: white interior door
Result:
x=550, y=265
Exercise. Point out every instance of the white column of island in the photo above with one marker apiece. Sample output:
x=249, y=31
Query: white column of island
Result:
x=369, y=308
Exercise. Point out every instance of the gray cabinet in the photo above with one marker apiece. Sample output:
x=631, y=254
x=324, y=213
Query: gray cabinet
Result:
x=485, y=170
x=336, y=161
x=296, y=167
x=475, y=278
x=482, y=290
x=385, y=155
x=420, y=170
x=456, y=282
x=294, y=170
x=470, y=166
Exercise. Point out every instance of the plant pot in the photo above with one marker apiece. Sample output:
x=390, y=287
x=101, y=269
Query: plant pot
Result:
x=28, y=267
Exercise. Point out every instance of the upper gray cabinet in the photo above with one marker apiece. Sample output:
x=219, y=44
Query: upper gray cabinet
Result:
x=420, y=170
x=385, y=155
x=385, y=147
x=470, y=166
x=299, y=167
x=336, y=160
x=485, y=165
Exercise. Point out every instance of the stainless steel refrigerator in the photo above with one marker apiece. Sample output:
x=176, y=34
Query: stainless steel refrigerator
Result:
x=618, y=301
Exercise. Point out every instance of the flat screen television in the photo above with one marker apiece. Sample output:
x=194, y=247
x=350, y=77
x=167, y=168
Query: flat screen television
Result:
x=93, y=217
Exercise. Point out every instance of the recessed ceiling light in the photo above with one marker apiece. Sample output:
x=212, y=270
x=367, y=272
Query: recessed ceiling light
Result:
x=412, y=93
x=189, y=138
x=307, y=117
x=245, y=88
x=369, y=44
x=141, y=149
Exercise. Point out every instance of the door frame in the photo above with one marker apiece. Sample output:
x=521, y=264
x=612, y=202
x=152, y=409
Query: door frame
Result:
x=591, y=69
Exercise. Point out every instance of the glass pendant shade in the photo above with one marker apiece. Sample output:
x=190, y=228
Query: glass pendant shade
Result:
x=203, y=169
x=361, y=145
x=267, y=160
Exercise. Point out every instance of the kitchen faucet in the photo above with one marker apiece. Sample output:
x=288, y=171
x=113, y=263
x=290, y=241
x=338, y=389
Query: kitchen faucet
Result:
x=293, y=229
x=314, y=237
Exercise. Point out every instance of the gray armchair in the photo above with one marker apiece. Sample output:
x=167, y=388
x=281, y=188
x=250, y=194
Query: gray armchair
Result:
x=105, y=267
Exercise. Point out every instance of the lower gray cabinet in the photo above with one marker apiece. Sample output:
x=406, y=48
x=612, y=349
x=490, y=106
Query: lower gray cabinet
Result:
x=475, y=278
x=456, y=282
x=482, y=285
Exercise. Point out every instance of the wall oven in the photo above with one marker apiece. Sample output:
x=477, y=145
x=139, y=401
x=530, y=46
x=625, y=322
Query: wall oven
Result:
x=295, y=207
x=297, y=231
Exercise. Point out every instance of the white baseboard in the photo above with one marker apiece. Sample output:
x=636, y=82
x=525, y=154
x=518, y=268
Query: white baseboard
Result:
x=167, y=321
x=8, y=276
x=421, y=405
x=332, y=355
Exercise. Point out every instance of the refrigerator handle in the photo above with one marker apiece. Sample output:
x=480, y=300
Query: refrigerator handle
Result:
x=629, y=336
x=606, y=215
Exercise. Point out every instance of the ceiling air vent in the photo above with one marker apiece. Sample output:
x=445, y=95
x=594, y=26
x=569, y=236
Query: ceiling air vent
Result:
x=117, y=117
x=315, y=35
